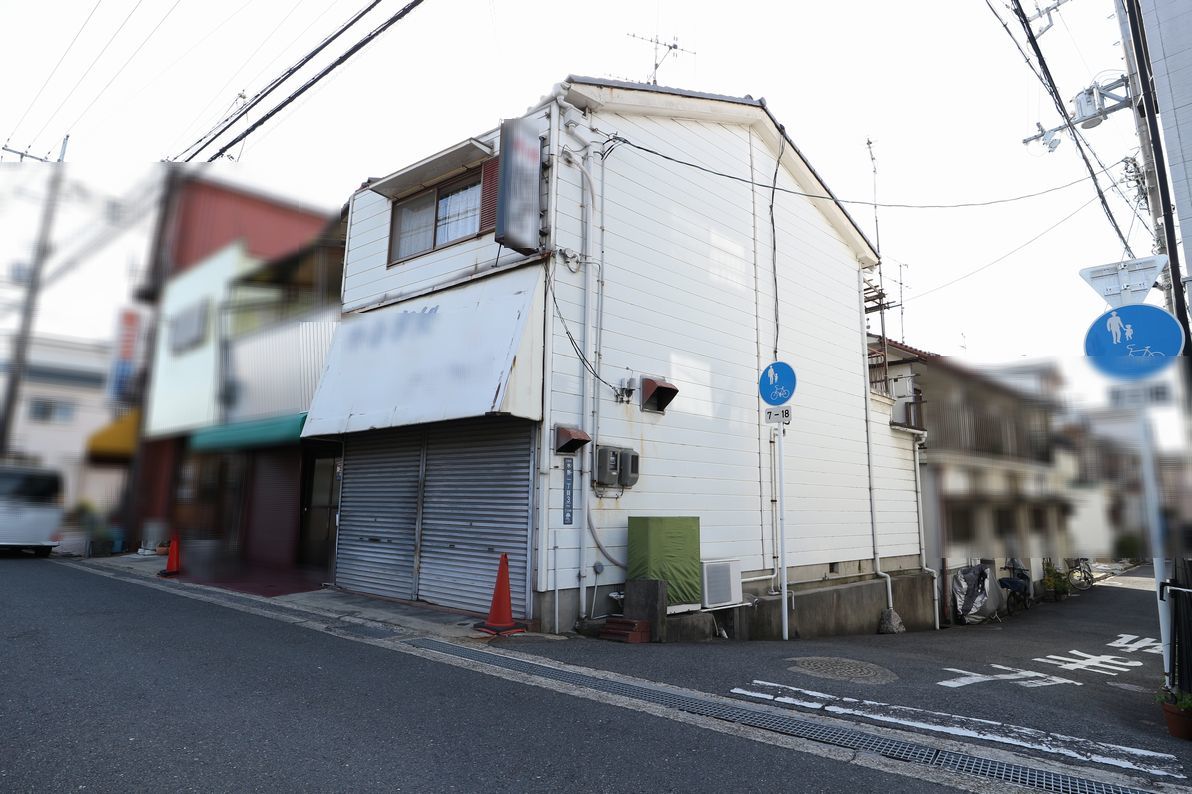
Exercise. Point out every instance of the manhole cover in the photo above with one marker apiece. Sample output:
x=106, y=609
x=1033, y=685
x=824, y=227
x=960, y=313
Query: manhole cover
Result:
x=842, y=669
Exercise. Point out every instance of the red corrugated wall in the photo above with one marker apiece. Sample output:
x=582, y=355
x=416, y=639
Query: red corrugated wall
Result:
x=208, y=216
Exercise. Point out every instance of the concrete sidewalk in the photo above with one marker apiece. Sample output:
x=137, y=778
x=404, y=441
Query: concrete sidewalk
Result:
x=414, y=619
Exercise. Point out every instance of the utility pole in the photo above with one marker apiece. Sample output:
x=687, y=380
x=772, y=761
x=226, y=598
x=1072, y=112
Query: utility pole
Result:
x=20, y=346
x=1145, y=148
x=1146, y=84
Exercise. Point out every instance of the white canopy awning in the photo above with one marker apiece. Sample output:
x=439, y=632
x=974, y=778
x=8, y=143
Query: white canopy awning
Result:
x=468, y=351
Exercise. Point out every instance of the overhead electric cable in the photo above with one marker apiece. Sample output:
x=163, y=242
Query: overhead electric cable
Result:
x=1081, y=139
x=1008, y=254
x=1044, y=74
x=274, y=84
x=240, y=9
x=364, y=42
x=202, y=113
x=618, y=140
x=54, y=71
x=87, y=71
x=123, y=66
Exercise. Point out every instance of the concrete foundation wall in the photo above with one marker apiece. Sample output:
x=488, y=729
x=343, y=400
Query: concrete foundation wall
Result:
x=820, y=610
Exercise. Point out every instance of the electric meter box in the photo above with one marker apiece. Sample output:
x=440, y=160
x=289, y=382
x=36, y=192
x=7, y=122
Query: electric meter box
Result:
x=608, y=466
x=629, y=468
x=616, y=466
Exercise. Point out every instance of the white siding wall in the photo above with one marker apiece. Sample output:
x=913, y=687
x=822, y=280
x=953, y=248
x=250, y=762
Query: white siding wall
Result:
x=894, y=484
x=684, y=300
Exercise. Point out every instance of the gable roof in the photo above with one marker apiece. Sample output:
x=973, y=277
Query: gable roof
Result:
x=617, y=95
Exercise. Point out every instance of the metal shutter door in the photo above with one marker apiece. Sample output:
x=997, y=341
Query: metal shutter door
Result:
x=476, y=505
x=378, y=513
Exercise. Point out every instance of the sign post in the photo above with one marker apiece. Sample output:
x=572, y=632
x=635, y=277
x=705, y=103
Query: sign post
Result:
x=1132, y=342
x=776, y=387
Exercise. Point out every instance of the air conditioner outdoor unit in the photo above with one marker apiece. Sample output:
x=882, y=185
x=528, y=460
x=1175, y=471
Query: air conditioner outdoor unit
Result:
x=721, y=583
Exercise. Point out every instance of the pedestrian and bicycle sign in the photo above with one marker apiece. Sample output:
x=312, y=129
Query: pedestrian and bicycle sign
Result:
x=777, y=383
x=1134, y=341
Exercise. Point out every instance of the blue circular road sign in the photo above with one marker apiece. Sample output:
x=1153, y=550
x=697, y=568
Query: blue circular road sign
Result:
x=1134, y=342
x=777, y=383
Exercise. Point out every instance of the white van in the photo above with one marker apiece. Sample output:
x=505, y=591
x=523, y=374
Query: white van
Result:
x=30, y=508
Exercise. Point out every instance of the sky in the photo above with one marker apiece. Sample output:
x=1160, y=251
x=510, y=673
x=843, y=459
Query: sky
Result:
x=937, y=85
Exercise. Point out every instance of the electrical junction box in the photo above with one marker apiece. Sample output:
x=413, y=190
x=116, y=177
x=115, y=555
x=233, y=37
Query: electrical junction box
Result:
x=608, y=466
x=629, y=468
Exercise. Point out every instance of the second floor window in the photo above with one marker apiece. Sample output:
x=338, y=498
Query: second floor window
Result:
x=435, y=218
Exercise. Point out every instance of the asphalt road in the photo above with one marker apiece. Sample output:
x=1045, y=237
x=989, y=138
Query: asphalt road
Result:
x=111, y=686
x=1113, y=706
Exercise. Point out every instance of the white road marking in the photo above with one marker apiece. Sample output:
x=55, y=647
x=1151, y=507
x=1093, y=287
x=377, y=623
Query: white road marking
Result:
x=1132, y=643
x=1026, y=678
x=1120, y=756
x=1106, y=664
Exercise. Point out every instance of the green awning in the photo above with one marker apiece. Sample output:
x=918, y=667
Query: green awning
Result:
x=270, y=432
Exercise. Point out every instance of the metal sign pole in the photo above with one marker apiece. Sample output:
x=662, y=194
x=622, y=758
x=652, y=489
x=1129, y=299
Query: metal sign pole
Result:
x=776, y=386
x=782, y=529
x=1154, y=515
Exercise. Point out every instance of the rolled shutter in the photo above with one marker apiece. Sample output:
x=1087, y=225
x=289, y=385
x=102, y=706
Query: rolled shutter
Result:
x=476, y=506
x=378, y=513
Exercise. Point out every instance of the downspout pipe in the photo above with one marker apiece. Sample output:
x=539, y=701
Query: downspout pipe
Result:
x=877, y=563
x=570, y=121
x=548, y=536
x=935, y=576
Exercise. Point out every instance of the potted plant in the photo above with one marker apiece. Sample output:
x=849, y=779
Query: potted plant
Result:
x=1177, y=710
x=1055, y=583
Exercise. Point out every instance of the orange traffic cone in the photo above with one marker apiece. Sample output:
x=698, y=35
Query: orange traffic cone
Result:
x=500, y=614
x=173, y=566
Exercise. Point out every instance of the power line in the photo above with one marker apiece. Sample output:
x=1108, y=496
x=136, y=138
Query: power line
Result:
x=124, y=66
x=54, y=71
x=277, y=82
x=618, y=140
x=240, y=9
x=550, y=286
x=774, y=232
x=323, y=73
x=1079, y=136
x=1006, y=255
x=230, y=80
x=87, y=71
x=1044, y=74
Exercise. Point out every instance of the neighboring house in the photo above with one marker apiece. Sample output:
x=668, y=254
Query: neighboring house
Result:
x=210, y=234
x=1105, y=490
x=63, y=399
x=601, y=362
x=990, y=482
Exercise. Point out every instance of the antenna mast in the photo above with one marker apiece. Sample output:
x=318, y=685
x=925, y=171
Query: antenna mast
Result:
x=663, y=47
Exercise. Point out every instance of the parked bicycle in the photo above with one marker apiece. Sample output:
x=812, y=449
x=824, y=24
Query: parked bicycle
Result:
x=1080, y=573
x=1017, y=586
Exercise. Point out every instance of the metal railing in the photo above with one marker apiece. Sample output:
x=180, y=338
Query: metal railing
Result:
x=962, y=428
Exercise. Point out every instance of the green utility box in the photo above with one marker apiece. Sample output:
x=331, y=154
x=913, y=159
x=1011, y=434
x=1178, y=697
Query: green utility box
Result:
x=667, y=547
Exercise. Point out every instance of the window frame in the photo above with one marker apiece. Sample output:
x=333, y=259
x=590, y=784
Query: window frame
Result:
x=474, y=176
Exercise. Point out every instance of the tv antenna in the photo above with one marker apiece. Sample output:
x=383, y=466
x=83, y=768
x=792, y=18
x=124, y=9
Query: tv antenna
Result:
x=660, y=47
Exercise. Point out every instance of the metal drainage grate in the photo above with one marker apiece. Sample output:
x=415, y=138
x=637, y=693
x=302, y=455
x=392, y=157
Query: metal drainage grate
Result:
x=790, y=726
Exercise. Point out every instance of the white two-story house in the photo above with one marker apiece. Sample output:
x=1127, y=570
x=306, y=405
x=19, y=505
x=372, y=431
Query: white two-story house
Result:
x=542, y=342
